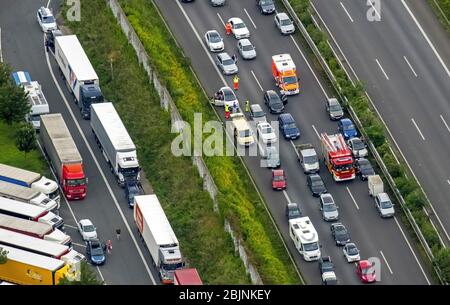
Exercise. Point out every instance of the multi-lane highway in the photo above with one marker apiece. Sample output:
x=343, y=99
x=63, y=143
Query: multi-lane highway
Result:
x=404, y=61
x=375, y=237
x=23, y=48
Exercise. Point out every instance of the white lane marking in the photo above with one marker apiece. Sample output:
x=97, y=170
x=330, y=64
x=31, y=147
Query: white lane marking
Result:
x=412, y=69
x=287, y=197
x=221, y=20
x=426, y=38
x=353, y=198
x=417, y=127
x=69, y=226
x=432, y=223
x=79, y=245
x=445, y=123
x=387, y=264
x=1, y=56
x=98, y=167
x=309, y=66
x=257, y=81
x=315, y=130
x=295, y=149
x=348, y=14
x=394, y=155
x=412, y=251
x=379, y=65
x=448, y=181
x=48, y=3
x=250, y=18
x=101, y=275
x=371, y=4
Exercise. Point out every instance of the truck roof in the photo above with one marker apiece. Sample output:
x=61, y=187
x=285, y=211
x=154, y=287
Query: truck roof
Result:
x=283, y=62
x=304, y=229
x=22, y=208
x=18, y=191
x=113, y=126
x=15, y=223
x=33, y=259
x=61, y=138
x=187, y=277
x=18, y=174
x=76, y=57
x=35, y=95
x=156, y=219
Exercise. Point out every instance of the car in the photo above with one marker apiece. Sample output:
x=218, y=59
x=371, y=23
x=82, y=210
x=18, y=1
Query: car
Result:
x=46, y=20
x=278, y=179
x=347, y=128
x=288, y=127
x=217, y=2
x=328, y=207
x=363, y=168
x=214, y=41
x=365, y=271
x=226, y=64
x=265, y=6
x=87, y=229
x=274, y=102
x=351, y=252
x=95, y=251
x=266, y=133
x=316, y=185
x=257, y=114
x=293, y=211
x=225, y=96
x=284, y=23
x=238, y=28
x=325, y=264
x=132, y=189
x=246, y=49
x=340, y=234
x=384, y=205
x=271, y=156
x=358, y=148
x=334, y=109
x=187, y=1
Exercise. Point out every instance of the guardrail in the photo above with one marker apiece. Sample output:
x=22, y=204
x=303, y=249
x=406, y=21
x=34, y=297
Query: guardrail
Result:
x=355, y=118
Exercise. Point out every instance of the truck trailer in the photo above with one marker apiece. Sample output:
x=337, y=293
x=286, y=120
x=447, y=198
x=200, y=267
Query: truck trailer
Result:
x=158, y=236
x=115, y=143
x=63, y=155
x=27, y=195
x=26, y=268
x=78, y=73
x=34, y=229
x=31, y=180
x=187, y=277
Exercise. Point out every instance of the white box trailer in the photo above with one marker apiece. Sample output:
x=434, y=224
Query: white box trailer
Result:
x=375, y=185
x=115, y=142
x=78, y=72
x=27, y=195
x=158, y=236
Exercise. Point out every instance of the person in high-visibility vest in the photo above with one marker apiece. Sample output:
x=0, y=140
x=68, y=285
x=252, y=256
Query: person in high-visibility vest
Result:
x=227, y=112
x=236, y=82
x=228, y=28
x=247, y=106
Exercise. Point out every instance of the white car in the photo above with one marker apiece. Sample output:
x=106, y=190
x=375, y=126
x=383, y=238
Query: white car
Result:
x=266, y=133
x=214, y=41
x=384, y=205
x=225, y=96
x=238, y=28
x=284, y=24
x=351, y=253
x=246, y=49
x=46, y=20
x=87, y=229
x=358, y=148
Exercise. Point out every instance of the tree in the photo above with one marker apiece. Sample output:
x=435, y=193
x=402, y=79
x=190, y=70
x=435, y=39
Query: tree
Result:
x=25, y=138
x=13, y=99
x=88, y=277
x=3, y=256
x=442, y=259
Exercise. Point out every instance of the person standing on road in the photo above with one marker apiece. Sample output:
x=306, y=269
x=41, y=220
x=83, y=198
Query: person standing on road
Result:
x=236, y=82
x=109, y=246
x=247, y=106
x=228, y=28
x=227, y=112
x=235, y=107
x=118, y=234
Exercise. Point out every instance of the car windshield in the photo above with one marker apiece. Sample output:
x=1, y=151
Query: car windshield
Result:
x=349, y=127
x=278, y=178
x=97, y=250
x=364, y=164
x=48, y=19
x=352, y=250
x=335, y=107
x=76, y=182
x=317, y=182
x=329, y=208
x=239, y=25
x=247, y=47
x=386, y=204
x=35, y=117
x=341, y=232
x=228, y=62
x=245, y=133
x=214, y=37
x=229, y=95
x=311, y=246
x=343, y=167
x=327, y=266
x=286, y=22
x=172, y=266
x=310, y=159
x=358, y=144
x=266, y=130
x=290, y=80
x=367, y=271
x=258, y=114
x=294, y=212
x=291, y=126
x=89, y=228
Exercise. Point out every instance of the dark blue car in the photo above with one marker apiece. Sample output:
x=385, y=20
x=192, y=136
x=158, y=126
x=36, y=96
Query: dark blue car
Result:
x=288, y=127
x=95, y=252
x=347, y=128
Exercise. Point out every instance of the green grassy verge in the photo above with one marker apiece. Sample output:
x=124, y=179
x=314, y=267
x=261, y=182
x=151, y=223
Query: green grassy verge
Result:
x=442, y=11
x=175, y=180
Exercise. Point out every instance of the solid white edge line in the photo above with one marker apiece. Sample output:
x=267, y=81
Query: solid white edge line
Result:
x=387, y=264
x=382, y=70
x=426, y=38
x=348, y=14
x=412, y=251
x=353, y=198
x=251, y=20
x=295, y=149
x=98, y=167
x=448, y=181
x=393, y=154
x=101, y=275
x=412, y=69
x=445, y=123
x=417, y=127
x=315, y=130
x=1, y=56
x=257, y=81
x=221, y=20
x=287, y=197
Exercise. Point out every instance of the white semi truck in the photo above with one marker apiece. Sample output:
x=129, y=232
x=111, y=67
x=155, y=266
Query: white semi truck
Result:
x=27, y=195
x=78, y=72
x=158, y=236
x=115, y=143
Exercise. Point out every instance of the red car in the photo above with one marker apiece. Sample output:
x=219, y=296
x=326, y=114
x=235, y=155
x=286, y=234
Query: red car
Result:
x=278, y=179
x=366, y=272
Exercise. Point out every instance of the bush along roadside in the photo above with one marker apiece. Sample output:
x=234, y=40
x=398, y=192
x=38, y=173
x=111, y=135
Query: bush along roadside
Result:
x=442, y=11
x=175, y=180
x=354, y=99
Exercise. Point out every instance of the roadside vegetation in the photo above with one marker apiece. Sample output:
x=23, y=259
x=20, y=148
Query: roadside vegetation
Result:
x=442, y=10
x=374, y=129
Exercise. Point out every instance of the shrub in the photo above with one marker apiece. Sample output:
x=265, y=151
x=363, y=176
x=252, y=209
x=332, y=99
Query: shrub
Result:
x=415, y=200
x=376, y=134
x=393, y=167
x=405, y=185
x=442, y=260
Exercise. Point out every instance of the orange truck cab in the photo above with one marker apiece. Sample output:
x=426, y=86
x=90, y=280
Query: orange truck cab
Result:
x=285, y=74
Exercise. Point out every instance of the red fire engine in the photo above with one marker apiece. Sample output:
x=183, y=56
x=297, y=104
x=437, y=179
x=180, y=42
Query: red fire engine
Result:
x=338, y=157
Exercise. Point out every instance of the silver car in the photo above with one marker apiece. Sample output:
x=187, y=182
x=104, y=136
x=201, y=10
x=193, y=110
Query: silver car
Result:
x=217, y=2
x=384, y=205
x=246, y=49
x=334, y=109
x=257, y=114
x=226, y=64
x=284, y=24
x=328, y=207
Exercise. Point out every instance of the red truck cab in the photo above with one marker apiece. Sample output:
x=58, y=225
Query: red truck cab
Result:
x=74, y=181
